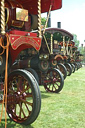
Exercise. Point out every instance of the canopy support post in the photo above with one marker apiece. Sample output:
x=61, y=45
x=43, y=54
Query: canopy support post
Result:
x=47, y=19
x=39, y=18
x=46, y=44
x=3, y=17
x=64, y=45
x=71, y=51
x=51, y=44
x=67, y=48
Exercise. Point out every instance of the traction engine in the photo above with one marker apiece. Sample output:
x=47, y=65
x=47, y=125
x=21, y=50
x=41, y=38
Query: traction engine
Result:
x=19, y=90
x=20, y=41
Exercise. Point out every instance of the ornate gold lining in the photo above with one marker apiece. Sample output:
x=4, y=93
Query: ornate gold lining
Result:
x=7, y=14
x=18, y=22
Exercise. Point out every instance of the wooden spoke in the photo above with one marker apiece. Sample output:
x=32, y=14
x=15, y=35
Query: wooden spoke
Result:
x=54, y=82
x=23, y=102
x=28, y=95
x=31, y=104
x=21, y=110
x=27, y=108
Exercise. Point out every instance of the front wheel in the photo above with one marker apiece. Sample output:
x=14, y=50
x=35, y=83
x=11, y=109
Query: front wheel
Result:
x=24, y=107
x=53, y=81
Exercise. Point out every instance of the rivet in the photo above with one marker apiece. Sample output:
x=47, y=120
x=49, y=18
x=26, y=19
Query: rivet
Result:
x=12, y=38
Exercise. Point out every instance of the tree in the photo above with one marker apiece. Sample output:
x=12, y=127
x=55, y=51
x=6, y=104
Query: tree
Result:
x=77, y=42
x=43, y=21
x=82, y=51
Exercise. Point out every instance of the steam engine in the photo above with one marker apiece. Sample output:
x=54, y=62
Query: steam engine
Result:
x=20, y=19
x=17, y=18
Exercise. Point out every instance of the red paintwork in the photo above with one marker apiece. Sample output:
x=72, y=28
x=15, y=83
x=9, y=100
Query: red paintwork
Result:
x=17, y=41
x=65, y=57
x=21, y=40
x=22, y=33
x=31, y=5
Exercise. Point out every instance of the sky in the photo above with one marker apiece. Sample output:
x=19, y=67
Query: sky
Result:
x=72, y=18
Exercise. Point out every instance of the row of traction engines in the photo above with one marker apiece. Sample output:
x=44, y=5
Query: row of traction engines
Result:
x=35, y=57
x=56, y=59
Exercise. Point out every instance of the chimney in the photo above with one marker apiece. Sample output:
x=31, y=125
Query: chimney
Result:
x=82, y=45
x=58, y=24
x=49, y=20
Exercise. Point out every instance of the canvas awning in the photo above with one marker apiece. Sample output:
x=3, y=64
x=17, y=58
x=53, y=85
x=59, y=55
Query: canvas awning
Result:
x=31, y=5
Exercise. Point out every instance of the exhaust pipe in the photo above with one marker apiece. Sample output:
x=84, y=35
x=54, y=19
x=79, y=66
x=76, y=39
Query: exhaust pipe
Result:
x=58, y=24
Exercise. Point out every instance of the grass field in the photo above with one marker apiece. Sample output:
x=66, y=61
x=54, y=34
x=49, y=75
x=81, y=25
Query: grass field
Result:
x=63, y=110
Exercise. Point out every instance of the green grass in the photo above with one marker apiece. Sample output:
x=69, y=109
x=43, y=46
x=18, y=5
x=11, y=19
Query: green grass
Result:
x=63, y=110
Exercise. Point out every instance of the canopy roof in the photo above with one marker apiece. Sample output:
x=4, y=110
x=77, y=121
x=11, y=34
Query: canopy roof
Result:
x=58, y=34
x=31, y=5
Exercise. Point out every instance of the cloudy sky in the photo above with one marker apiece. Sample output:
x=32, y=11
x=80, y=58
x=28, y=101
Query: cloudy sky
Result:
x=72, y=18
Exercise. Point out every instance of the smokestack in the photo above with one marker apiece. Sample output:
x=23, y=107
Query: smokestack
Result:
x=49, y=20
x=82, y=45
x=58, y=24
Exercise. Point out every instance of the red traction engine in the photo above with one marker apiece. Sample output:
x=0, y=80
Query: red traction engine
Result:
x=19, y=89
x=20, y=92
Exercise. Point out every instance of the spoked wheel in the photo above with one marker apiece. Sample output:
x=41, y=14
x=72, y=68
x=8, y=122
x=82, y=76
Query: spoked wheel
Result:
x=34, y=73
x=24, y=99
x=73, y=68
x=53, y=81
x=63, y=69
x=69, y=69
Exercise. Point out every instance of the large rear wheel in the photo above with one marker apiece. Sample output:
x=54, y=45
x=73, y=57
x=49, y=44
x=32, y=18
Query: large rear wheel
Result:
x=25, y=103
x=34, y=73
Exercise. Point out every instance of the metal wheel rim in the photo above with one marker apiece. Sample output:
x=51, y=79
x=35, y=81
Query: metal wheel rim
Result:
x=21, y=110
x=52, y=82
